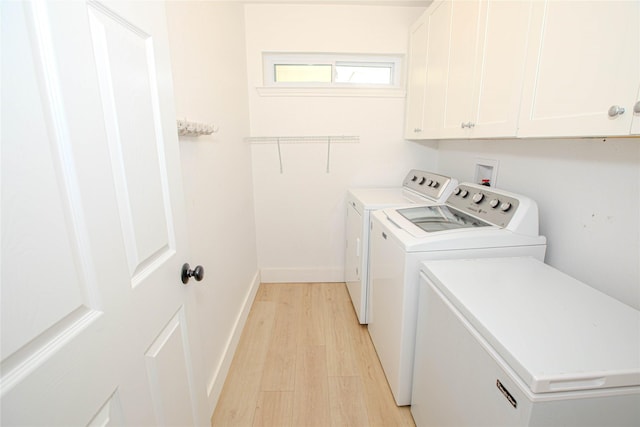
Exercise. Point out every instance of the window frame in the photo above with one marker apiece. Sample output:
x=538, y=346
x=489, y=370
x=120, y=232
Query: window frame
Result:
x=271, y=59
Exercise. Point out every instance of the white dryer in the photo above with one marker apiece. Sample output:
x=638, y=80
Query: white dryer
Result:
x=418, y=187
x=514, y=342
x=475, y=222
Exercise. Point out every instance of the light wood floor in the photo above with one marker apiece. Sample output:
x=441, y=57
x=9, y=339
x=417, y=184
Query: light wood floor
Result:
x=304, y=360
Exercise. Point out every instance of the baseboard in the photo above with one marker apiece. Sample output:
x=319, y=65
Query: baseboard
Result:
x=217, y=381
x=301, y=275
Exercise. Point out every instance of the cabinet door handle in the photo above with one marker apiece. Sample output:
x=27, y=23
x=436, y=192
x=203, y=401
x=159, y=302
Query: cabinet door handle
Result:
x=467, y=125
x=417, y=130
x=636, y=108
x=463, y=125
x=615, y=110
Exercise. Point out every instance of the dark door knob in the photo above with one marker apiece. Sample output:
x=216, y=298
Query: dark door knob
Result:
x=197, y=273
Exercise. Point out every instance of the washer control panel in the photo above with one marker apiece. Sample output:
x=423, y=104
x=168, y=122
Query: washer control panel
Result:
x=487, y=204
x=428, y=184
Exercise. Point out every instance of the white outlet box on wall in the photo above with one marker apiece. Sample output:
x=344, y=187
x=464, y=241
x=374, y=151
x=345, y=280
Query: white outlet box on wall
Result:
x=486, y=172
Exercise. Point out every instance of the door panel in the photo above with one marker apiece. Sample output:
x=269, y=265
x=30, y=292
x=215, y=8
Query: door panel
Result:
x=583, y=58
x=416, y=78
x=168, y=369
x=49, y=260
x=125, y=72
x=460, y=68
x=96, y=324
x=110, y=414
x=51, y=307
x=437, y=63
x=500, y=68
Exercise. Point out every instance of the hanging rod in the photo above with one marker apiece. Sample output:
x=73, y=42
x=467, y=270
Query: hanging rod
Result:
x=189, y=128
x=302, y=139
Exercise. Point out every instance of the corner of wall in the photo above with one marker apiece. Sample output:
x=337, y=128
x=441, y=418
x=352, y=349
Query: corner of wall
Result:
x=214, y=388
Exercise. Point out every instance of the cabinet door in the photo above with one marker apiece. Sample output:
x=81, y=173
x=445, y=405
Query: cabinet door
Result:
x=475, y=67
x=463, y=36
x=502, y=39
x=438, y=32
x=583, y=59
x=417, y=78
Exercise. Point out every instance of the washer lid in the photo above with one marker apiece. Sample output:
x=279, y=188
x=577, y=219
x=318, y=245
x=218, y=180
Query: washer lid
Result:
x=379, y=198
x=413, y=239
x=555, y=332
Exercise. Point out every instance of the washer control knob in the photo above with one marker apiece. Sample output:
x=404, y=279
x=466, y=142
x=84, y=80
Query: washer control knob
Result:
x=494, y=203
x=505, y=206
x=464, y=193
x=457, y=191
x=435, y=184
x=422, y=181
x=429, y=182
x=477, y=198
x=415, y=178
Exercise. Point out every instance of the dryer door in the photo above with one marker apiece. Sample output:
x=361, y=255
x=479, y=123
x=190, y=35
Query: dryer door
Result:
x=353, y=262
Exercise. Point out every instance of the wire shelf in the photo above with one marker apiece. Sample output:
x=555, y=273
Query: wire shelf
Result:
x=279, y=140
x=302, y=139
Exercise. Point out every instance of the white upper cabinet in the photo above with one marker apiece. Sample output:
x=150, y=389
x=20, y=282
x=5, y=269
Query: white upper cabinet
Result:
x=417, y=77
x=504, y=69
x=499, y=69
x=474, y=69
x=428, y=57
x=438, y=33
x=460, y=75
x=583, y=69
x=486, y=68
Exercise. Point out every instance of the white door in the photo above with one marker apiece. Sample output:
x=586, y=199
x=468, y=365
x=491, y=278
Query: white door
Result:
x=463, y=48
x=478, y=93
x=95, y=320
x=582, y=69
x=417, y=75
x=438, y=31
x=499, y=69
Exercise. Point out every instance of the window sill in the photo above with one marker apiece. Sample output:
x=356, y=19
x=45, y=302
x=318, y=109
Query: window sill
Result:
x=331, y=92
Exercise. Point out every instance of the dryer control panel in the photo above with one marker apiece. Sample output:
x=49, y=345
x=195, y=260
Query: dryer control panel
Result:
x=491, y=205
x=434, y=186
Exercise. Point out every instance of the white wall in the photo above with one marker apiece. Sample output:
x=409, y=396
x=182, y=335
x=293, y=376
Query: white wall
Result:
x=207, y=48
x=588, y=194
x=300, y=213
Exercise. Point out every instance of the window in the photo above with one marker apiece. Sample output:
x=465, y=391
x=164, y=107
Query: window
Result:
x=331, y=70
x=371, y=73
x=302, y=73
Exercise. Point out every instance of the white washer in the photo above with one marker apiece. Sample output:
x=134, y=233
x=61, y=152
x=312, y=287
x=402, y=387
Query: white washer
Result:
x=475, y=222
x=418, y=187
x=515, y=342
